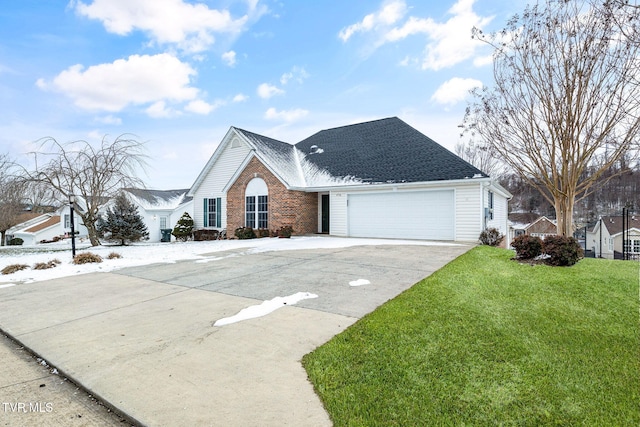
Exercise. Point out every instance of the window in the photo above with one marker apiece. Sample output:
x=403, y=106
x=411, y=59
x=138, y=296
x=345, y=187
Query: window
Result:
x=163, y=222
x=256, y=204
x=250, y=212
x=67, y=221
x=213, y=212
x=263, y=211
x=636, y=246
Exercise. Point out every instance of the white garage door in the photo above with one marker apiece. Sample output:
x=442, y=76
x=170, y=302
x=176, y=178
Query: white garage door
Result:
x=425, y=215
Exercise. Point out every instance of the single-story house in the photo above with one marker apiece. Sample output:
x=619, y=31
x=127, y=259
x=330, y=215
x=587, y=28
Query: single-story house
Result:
x=381, y=178
x=532, y=224
x=605, y=238
x=34, y=228
x=160, y=209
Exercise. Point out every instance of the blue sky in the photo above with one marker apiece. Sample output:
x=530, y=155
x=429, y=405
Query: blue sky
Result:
x=178, y=73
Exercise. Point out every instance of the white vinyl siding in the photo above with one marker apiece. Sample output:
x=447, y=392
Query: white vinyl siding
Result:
x=218, y=177
x=338, y=209
x=468, y=213
x=403, y=214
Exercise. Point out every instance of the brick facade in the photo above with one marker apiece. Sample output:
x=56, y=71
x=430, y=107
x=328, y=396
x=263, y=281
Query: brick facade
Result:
x=295, y=208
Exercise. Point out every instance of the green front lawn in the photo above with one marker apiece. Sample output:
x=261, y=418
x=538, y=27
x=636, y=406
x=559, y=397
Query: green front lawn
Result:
x=489, y=341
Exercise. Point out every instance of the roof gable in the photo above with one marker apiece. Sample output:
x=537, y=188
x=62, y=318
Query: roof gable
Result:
x=290, y=165
x=384, y=151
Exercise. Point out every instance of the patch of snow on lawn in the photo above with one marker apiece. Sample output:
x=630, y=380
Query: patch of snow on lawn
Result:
x=359, y=282
x=7, y=286
x=265, y=308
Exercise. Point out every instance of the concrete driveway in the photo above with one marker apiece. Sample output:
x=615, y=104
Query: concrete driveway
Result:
x=142, y=339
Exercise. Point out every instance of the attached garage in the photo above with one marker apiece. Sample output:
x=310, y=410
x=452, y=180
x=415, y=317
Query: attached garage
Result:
x=426, y=215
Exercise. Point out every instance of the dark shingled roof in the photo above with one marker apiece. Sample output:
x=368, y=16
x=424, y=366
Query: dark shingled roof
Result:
x=614, y=223
x=386, y=150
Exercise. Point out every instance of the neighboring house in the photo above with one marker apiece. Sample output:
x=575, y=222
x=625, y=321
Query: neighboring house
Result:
x=605, y=238
x=532, y=224
x=35, y=228
x=376, y=179
x=160, y=209
x=65, y=220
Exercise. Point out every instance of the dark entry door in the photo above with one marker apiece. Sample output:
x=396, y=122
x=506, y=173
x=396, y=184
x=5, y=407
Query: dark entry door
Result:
x=325, y=213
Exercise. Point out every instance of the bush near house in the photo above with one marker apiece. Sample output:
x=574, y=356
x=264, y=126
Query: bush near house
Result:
x=16, y=241
x=491, y=237
x=245, y=233
x=527, y=247
x=562, y=250
x=285, y=231
x=183, y=230
x=205, y=234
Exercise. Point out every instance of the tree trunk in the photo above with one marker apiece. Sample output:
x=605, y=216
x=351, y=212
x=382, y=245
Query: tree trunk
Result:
x=92, y=232
x=2, y=237
x=564, y=214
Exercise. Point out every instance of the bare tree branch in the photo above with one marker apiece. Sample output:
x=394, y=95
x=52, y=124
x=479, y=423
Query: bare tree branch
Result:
x=11, y=195
x=94, y=175
x=565, y=93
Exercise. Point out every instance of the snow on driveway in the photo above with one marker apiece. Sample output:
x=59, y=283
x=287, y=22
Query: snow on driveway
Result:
x=151, y=253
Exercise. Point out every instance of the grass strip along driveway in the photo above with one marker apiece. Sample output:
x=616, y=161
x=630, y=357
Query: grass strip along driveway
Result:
x=490, y=341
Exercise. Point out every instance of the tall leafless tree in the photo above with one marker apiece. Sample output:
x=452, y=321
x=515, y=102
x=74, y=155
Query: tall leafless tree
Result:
x=481, y=156
x=565, y=92
x=92, y=175
x=11, y=196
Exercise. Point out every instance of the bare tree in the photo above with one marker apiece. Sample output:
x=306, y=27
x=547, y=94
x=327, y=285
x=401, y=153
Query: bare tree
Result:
x=565, y=92
x=92, y=175
x=481, y=156
x=11, y=196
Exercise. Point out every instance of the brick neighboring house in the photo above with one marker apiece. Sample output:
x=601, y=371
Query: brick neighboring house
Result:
x=531, y=224
x=375, y=179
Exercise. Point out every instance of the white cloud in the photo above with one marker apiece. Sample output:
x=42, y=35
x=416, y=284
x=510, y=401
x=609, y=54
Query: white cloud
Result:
x=241, y=97
x=447, y=43
x=132, y=81
x=109, y=120
x=201, y=107
x=285, y=115
x=390, y=12
x=266, y=91
x=159, y=110
x=297, y=74
x=188, y=26
x=454, y=90
x=229, y=58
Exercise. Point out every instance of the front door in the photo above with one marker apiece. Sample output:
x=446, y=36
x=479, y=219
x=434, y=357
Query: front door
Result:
x=325, y=213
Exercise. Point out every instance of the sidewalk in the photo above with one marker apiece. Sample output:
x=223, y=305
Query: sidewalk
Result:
x=31, y=395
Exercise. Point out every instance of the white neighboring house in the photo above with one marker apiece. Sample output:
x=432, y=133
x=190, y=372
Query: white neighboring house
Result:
x=34, y=228
x=160, y=209
x=605, y=238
